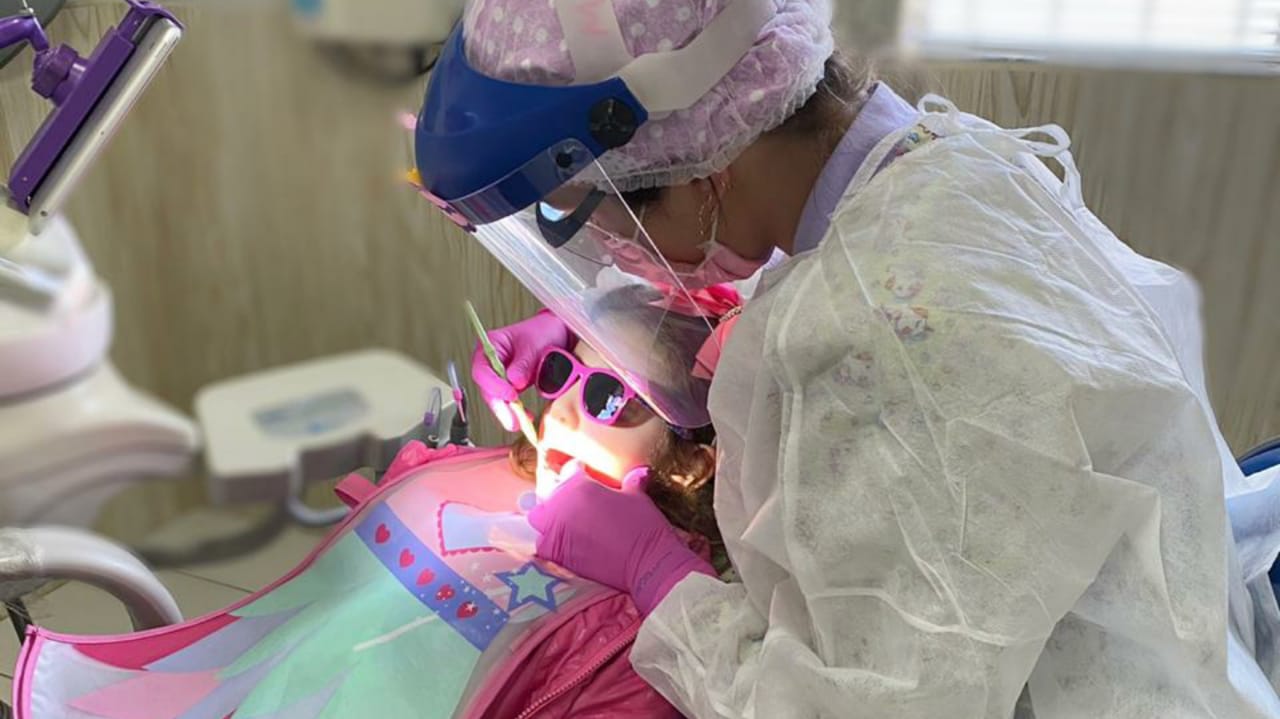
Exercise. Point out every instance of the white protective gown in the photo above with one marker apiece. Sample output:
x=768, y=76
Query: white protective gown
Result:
x=969, y=469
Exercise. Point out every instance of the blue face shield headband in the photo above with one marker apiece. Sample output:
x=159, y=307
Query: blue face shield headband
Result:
x=487, y=149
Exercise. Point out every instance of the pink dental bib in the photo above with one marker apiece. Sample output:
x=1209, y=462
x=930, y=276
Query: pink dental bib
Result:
x=423, y=603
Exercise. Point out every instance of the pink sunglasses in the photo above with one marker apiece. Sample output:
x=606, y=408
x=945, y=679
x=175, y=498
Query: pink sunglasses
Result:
x=604, y=394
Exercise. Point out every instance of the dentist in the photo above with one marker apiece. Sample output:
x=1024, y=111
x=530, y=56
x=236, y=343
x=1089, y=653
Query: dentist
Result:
x=968, y=467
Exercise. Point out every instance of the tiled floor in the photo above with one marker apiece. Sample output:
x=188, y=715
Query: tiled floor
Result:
x=198, y=589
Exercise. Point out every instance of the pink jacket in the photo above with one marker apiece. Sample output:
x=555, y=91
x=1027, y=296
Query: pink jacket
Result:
x=581, y=669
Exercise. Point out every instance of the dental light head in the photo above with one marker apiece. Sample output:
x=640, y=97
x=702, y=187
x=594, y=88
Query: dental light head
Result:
x=91, y=96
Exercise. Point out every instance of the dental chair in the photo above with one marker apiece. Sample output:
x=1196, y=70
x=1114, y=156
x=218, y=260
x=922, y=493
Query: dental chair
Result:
x=72, y=432
x=1261, y=458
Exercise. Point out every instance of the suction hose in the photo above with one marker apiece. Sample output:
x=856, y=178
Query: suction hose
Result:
x=306, y=515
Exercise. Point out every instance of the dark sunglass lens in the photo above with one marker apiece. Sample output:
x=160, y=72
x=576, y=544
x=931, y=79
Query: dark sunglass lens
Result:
x=555, y=372
x=604, y=396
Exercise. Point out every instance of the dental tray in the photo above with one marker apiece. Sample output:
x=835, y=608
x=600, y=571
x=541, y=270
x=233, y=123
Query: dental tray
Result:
x=316, y=420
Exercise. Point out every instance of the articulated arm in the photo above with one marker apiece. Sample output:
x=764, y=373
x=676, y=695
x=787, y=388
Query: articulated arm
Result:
x=23, y=28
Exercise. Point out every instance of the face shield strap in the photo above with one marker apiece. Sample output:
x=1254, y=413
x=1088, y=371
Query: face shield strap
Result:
x=665, y=82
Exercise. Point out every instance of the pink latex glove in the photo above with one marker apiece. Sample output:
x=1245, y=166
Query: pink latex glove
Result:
x=617, y=538
x=519, y=347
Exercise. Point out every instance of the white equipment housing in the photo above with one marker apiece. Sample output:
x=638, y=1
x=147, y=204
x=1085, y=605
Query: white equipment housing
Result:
x=407, y=23
x=269, y=432
x=72, y=432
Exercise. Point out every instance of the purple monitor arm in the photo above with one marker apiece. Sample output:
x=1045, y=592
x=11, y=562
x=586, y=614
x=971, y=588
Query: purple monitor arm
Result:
x=74, y=85
x=23, y=28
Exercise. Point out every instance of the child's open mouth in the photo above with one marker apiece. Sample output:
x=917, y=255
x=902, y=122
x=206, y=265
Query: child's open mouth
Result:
x=553, y=460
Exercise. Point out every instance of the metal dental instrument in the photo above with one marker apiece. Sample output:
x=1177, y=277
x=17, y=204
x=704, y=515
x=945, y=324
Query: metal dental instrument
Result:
x=459, y=429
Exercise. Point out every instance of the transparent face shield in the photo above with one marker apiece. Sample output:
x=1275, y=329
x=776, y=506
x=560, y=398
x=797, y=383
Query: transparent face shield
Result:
x=585, y=254
x=516, y=165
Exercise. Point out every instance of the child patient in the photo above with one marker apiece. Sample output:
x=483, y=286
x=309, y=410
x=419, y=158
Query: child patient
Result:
x=427, y=601
x=594, y=418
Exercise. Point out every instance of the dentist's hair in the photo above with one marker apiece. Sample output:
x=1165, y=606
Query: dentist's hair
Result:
x=846, y=84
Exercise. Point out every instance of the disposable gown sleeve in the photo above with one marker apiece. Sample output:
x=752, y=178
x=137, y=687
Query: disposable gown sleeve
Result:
x=936, y=497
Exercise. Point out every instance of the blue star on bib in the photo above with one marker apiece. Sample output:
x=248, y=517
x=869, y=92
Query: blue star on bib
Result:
x=529, y=585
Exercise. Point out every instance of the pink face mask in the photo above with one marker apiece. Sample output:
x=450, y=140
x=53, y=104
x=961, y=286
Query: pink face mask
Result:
x=719, y=265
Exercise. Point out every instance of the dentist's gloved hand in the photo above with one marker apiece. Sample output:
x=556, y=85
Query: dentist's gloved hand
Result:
x=617, y=538
x=519, y=347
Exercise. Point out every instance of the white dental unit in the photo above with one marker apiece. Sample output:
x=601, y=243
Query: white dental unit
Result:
x=73, y=432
